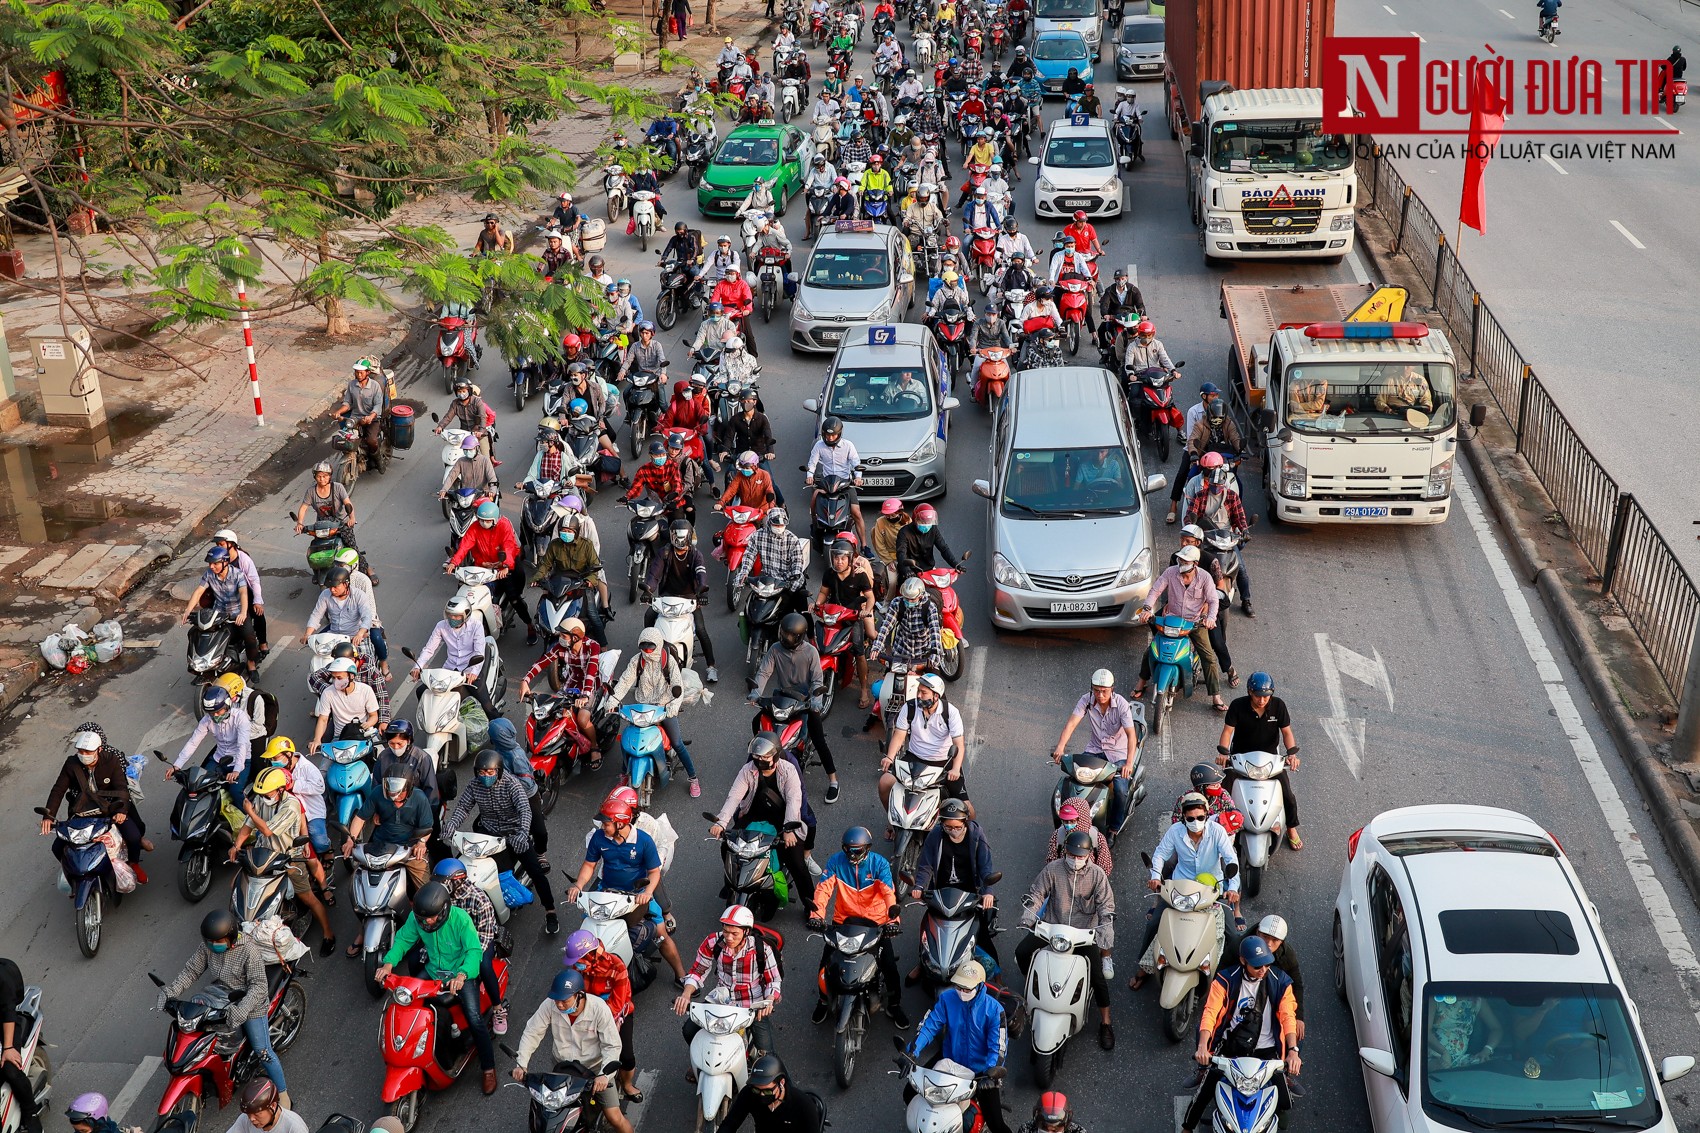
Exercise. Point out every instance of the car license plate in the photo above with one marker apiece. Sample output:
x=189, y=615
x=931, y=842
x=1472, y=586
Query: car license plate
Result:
x=830, y=335
x=1074, y=607
x=879, y=481
x=1363, y=512
x=1280, y=239
x=1074, y=202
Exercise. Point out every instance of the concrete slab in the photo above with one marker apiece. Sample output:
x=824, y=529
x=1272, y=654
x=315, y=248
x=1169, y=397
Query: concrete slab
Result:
x=10, y=555
x=45, y=565
x=97, y=572
x=65, y=576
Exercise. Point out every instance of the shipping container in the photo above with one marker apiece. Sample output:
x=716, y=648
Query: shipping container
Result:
x=1251, y=44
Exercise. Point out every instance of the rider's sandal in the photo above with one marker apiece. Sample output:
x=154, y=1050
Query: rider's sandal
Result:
x=633, y=1098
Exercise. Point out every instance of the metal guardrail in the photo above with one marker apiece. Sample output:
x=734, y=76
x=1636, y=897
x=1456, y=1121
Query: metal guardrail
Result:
x=1636, y=564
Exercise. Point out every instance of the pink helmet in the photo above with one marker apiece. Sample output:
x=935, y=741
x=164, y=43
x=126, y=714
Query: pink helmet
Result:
x=891, y=506
x=1210, y=460
x=1071, y=810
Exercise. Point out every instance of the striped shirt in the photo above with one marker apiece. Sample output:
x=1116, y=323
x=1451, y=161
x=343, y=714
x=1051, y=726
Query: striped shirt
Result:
x=503, y=810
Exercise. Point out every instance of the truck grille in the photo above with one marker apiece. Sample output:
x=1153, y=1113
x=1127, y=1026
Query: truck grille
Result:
x=1281, y=222
x=1073, y=583
x=1355, y=489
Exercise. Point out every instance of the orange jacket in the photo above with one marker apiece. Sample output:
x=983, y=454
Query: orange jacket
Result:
x=855, y=890
x=749, y=491
x=1225, y=992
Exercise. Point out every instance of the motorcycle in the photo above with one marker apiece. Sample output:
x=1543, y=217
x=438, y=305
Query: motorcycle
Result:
x=425, y=1039
x=790, y=99
x=1549, y=27
x=261, y=887
x=1130, y=138
x=1258, y=796
x=785, y=714
x=895, y=689
x=677, y=294
x=460, y=509
x=643, y=216
x=474, y=590
x=913, y=809
x=950, y=329
x=770, y=273
x=198, y=820
x=820, y=196
x=538, y=520
x=479, y=853
x=940, y=582
x=605, y=912
x=719, y=1054
x=983, y=250
x=749, y=859
x=675, y=618
x=835, y=639
x=352, y=458
x=1174, y=666
x=1090, y=777
x=698, y=149
x=561, y=1100
x=874, y=204
x=1225, y=543
x=1246, y=1096
x=852, y=981
x=214, y=649
x=1154, y=408
x=991, y=377
x=949, y=932
x=32, y=1057
x=566, y=594
x=741, y=523
x=944, y=1095
x=648, y=525
x=1678, y=94
x=1072, y=300
x=522, y=376
x=553, y=739
x=643, y=410
x=85, y=864
x=442, y=712
x=207, y=1057
x=648, y=753
x=455, y=338
x=923, y=43
x=381, y=903
x=1188, y=947
x=761, y=616
x=1057, y=997
x=349, y=767
x=617, y=186
x=831, y=515
x=327, y=542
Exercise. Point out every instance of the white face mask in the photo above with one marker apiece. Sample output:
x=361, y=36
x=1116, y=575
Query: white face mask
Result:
x=1196, y=824
x=87, y=758
x=967, y=994
x=1076, y=864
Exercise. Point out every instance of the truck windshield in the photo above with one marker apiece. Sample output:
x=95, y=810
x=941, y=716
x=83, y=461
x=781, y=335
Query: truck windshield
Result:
x=1370, y=399
x=1286, y=146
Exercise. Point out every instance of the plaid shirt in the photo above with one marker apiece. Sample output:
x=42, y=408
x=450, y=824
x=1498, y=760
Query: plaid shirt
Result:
x=783, y=556
x=549, y=464
x=478, y=906
x=227, y=591
x=1227, y=498
x=908, y=633
x=749, y=979
x=662, y=480
x=578, y=669
x=367, y=673
x=503, y=810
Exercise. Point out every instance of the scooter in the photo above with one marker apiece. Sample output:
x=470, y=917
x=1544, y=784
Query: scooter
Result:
x=950, y=330
x=1258, y=797
x=1154, y=408
x=643, y=216
x=741, y=525
x=1073, y=297
x=538, y=519
x=643, y=410
x=949, y=932
x=697, y=150
x=648, y=753
x=761, y=616
x=616, y=186
x=1057, y=997
x=348, y=770
x=460, y=508
x=770, y=280
x=648, y=525
x=381, y=903
x=913, y=809
x=561, y=1100
x=198, y=820
x=605, y=912
x=1174, y=667
x=944, y=1095
x=940, y=583
x=455, y=337
x=322, y=552
x=991, y=377
x=425, y=1039
x=1246, y=1096
x=749, y=859
x=86, y=866
x=206, y=1058
x=556, y=745
x=1188, y=946
x=895, y=689
x=1549, y=28
x=719, y=1054
x=214, y=649
x=790, y=99
x=1225, y=542
x=835, y=638
x=1090, y=777
x=522, y=376
x=479, y=853
x=261, y=887
x=831, y=515
x=475, y=592
x=1678, y=94
x=785, y=714
x=983, y=253
x=565, y=595
x=32, y=1055
x=676, y=619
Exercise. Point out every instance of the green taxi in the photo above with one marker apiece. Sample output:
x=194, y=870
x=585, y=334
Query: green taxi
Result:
x=777, y=153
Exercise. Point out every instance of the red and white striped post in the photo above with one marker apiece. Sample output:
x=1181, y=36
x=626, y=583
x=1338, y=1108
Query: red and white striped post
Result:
x=248, y=344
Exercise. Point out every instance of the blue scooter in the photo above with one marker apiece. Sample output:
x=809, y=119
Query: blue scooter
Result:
x=1090, y=777
x=87, y=869
x=646, y=753
x=1173, y=666
x=348, y=771
x=1246, y=1096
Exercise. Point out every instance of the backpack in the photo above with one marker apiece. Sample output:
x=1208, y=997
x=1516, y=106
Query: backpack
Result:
x=768, y=942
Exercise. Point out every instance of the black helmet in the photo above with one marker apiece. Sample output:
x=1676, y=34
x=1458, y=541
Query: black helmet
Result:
x=1078, y=845
x=832, y=427
x=220, y=924
x=680, y=228
x=679, y=533
x=954, y=809
x=766, y=1070
x=343, y=649
x=1205, y=775
x=1214, y=410
x=765, y=746
x=842, y=546
x=431, y=903
x=488, y=760
x=793, y=627
x=259, y=1095
x=1043, y=291
x=1010, y=224
x=336, y=576
x=857, y=842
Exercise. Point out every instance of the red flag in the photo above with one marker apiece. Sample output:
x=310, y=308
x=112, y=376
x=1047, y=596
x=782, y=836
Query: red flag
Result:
x=1487, y=119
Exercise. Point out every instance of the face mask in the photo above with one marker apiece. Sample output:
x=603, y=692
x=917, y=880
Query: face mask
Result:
x=658, y=461
x=486, y=780
x=1076, y=864
x=923, y=528
x=219, y=948
x=87, y=758
x=927, y=705
x=1196, y=824
x=399, y=748
x=568, y=536
x=746, y=472
x=967, y=994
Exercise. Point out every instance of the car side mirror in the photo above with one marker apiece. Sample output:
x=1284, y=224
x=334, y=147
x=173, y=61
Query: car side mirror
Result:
x=982, y=488
x=906, y=278
x=1378, y=1060
x=1156, y=482
x=1674, y=1067
x=950, y=403
x=1197, y=148
x=1478, y=418
x=812, y=404
x=1033, y=161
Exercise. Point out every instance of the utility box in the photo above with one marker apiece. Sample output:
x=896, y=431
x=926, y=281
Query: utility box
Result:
x=70, y=385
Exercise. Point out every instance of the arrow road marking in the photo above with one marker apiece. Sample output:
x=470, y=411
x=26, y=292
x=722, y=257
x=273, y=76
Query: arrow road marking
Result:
x=1346, y=732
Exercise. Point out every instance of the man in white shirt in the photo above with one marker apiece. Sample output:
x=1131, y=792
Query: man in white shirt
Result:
x=832, y=455
x=347, y=707
x=932, y=731
x=1195, y=845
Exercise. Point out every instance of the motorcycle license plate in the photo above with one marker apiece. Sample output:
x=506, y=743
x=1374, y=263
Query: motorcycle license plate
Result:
x=1363, y=512
x=880, y=481
x=1074, y=607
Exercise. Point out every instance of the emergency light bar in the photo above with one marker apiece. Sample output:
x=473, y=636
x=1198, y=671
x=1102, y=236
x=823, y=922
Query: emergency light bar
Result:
x=1367, y=330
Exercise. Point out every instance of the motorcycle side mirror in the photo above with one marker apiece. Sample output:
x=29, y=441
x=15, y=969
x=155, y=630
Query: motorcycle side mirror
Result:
x=897, y=1041
x=1231, y=871
x=408, y=653
x=1146, y=858
x=982, y=488
x=160, y=755
x=435, y=419
x=299, y=842
x=1181, y=365
x=1266, y=419
x=1478, y=416
x=510, y=1052
x=812, y=404
x=994, y=878
x=157, y=982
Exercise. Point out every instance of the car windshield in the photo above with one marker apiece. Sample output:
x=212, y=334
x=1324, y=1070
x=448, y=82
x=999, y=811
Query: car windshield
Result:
x=1136, y=31
x=1277, y=147
x=1372, y=399
x=880, y=393
x=1060, y=483
x=848, y=269
x=1063, y=47
x=1065, y=9
x=1506, y=1054
x=1079, y=153
x=747, y=151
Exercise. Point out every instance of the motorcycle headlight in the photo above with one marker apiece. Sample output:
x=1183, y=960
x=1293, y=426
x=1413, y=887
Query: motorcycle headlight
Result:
x=720, y=1025
x=1138, y=570
x=1005, y=573
x=1186, y=902
x=1219, y=224
x=1293, y=478
x=1440, y=480
x=928, y=449
x=1343, y=223
x=402, y=996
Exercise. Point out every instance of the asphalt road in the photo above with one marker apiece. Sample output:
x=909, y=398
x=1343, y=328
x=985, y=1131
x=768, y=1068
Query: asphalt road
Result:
x=1587, y=262
x=1473, y=709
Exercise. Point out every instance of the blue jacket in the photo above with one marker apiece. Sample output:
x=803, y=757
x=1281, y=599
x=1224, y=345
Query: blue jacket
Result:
x=974, y=1032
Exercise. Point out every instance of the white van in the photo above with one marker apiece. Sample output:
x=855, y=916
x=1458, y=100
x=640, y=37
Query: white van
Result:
x=1083, y=16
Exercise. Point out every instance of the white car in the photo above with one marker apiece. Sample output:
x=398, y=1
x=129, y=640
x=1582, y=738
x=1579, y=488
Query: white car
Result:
x=1480, y=983
x=1078, y=171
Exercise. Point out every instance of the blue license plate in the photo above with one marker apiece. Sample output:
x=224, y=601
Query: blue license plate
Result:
x=1364, y=512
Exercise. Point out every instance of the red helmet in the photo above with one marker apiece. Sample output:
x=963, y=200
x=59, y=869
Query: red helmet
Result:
x=1231, y=821
x=1210, y=460
x=1080, y=216
x=1146, y=326
x=952, y=243
x=624, y=796
x=877, y=159
x=681, y=389
x=618, y=811
x=1050, y=1112
x=571, y=341
x=926, y=514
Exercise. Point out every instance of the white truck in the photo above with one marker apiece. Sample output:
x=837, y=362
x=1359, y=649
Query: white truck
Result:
x=1265, y=182
x=1357, y=420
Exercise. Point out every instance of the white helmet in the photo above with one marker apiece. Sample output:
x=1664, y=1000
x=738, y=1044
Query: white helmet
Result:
x=225, y=534
x=735, y=343
x=340, y=665
x=86, y=741
x=457, y=606
x=1103, y=678
x=1273, y=925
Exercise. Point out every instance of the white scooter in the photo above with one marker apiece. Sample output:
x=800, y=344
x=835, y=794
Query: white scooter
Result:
x=943, y=1093
x=676, y=619
x=445, y=737
x=1189, y=948
x=604, y=914
x=643, y=216
x=923, y=43
x=1057, y=995
x=912, y=809
x=322, y=646
x=478, y=853
x=451, y=449
x=475, y=592
x=719, y=1054
x=790, y=99
x=614, y=184
x=1258, y=797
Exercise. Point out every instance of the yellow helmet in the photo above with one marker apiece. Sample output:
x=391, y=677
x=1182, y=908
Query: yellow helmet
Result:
x=278, y=748
x=271, y=779
x=232, y=684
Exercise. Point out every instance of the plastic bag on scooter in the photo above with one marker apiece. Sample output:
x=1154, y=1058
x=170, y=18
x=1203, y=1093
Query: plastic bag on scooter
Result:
x=665, y=837
x=695, y=691
x=277, y=943
x=123, y=873
x=514, y=894
x=133, y=765
x=476, y=722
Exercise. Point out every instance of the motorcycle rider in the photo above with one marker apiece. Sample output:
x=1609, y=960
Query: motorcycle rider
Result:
x=918, y=541
x=928, y=729
x=1195, y=845
x=874, y=178
x=580, y=660
x=1145, y=352
x=728, y=58
x=234, y=962
x=231, y=730
x=784, y=557
x=490, y=542
x=743, y=962
x=857, y=884
x=462, y=640
x=504, y=811
x=922, y=216
x=1255, y=722
x=1041, y=307
x=470, y=897
x=951, y=292
x=1114, y=735
x=909, y=627
x=747, y=486
x=466, y=411
x=719, y=260
x=981, y=212
x=970, y=1022
x=1273, y=929
x=1075, y=814
x=244, y=563
x=327, y=500
x=749, y=430
x=1204, y=779
x=399, y=816
x=475, y=469
x=364, y=402
x=686, y=248
x=883, y=547
x=847, y=581
x=570, y=552
x=833, y=455
x=226, y=588
x=92, y=782
x=278, y=818
x=1260, y=1022
x=842, y=204
x=772, y=1104
x=1207, y=393
x=681, y=573
x=557, y=254
x=1075, y=271
x=663, y=479
x=989, y=329
x=771, y=234
x=734, y=295
x=629, y=862
x=1014, y=277
x=347, y=708
x=654, y=673
x=1120, y=298
x=646, y=355
x=715, y=328
x=792, y=666
x=400, y=756
x=1013, y=242
x=1075, y=892
x=1217, y=505
x=956, y=855
x=769, y=788
x=1089, y=104
x=1188, y=593
x=689, y=409
x=1051, y=1114
x=452, y=954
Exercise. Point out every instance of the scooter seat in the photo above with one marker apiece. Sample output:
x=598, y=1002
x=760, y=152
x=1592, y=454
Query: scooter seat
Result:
x=277, y=975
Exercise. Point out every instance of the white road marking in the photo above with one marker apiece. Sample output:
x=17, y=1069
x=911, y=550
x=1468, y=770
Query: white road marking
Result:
x=647, y=1082
x=1388, y=10
x=138, y=1080
x=1420, y=39
x=1360, y=274
x=174, y=726
x=1165, y=747
x=1629, y=844
x=1547, y=157
x=1181, y=1102
x=1665, y=124
x=971, y=717
x=1347, y=732
x=1629, y=236
x=1506, y=14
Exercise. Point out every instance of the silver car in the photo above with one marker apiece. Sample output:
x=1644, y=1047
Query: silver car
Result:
x=1139, y=55
x=1070, y=535
x=852, y=277
x=895, y=404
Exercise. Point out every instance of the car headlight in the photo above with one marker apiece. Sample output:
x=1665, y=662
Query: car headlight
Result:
x=880, y=312
x=1045, y=186
x=1293, y=478
x=798, y=311
x=1440, y=480
x=1113, y=185
x=1004, y=573
x=928, y=449
x=1218, y=224
x=1137, y=571
x=1343, y=223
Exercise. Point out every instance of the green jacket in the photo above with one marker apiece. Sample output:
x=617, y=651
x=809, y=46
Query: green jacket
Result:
x=452, y=948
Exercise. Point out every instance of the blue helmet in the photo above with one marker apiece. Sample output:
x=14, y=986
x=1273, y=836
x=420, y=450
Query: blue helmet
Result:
x=218, y=554
x=578, y=406
x=450, y=867
x=1260, y=684
x=568, y=983
x=489, y=510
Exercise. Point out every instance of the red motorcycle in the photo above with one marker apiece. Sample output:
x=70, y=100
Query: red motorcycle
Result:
x=1073, y=295
x=207, y=1059
x=977, y=172
x=425, y=1039
x=992, y=376
x=1154, y=408
x=940, y=581
x=950, y=329
x=553, y=738
x=835, y=639
x=984, y=250
x=939, y=73
x=741, y=524
x=786, y=715
x=975, y=42
x=818, y=31
x=456, y=338
x=1000, y=36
